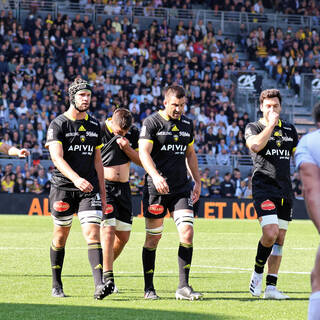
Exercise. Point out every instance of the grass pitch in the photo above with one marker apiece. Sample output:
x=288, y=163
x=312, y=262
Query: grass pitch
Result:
x=223, y=259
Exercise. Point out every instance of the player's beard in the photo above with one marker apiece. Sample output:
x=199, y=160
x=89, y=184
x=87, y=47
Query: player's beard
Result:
x=82, y=110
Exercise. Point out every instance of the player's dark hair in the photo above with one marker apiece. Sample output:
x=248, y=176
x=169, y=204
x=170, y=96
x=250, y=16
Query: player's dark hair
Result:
x=174, y=90
x=270, y=93
x=123, y=118
x=316, y=112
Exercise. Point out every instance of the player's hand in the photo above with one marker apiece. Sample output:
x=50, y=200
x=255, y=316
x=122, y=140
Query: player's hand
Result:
x=273, y=118
x=83, y=185
x=23, y=153
x=123, y=143
x=161, y=184
x=196, y=192
x=103, y=206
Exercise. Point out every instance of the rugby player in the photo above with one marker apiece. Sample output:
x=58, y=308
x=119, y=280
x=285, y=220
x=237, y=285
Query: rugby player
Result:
x=272, y=142
x=308, y=162
x=13, y=151
x=120, y=144
x=166, y=152
x=77, y=185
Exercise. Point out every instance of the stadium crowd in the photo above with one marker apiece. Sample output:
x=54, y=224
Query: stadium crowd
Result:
x=127, y=66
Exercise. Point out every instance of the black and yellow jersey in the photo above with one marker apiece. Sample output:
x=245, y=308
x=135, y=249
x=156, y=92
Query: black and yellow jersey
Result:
x=112, y=155
x=271, y=166
x=79, y=139
x=170, y=139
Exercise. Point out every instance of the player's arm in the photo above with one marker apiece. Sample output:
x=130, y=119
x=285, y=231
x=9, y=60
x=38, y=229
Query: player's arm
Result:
x=132, y=154
x=56, y=153
x=99, y=168
x=310, y=176
x=145, y=148
x=256, y=142
x=13, y=151
x=192, y=165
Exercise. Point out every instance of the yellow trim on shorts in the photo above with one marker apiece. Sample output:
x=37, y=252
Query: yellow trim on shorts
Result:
x=100, y=146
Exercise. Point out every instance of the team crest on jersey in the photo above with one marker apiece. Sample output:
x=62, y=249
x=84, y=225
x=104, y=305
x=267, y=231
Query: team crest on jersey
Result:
x=83, y=138
x=175, y=137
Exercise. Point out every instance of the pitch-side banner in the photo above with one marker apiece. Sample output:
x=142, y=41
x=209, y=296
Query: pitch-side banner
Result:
x=33, y=205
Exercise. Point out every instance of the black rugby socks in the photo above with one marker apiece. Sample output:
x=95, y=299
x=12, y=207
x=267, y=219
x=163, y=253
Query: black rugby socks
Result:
x=184, y=261
x=95, y=259
x=262, y=256
x=56, y=258
x=148, y=260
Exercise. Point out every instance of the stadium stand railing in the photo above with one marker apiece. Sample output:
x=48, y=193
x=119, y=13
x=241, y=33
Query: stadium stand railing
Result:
x=227, y=21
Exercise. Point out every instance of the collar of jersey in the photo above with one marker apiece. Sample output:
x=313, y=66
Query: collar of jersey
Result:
x=73, y=119
x=107, y=125
x=279, y=122
x=164, y=116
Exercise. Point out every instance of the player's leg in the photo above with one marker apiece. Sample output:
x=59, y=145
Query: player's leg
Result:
x=61, y=211
x=274, y=262
x=124, y=218
x=108, y=228
x=314, y=300
x=284, y=211
x=183, y=217
x=154, y=210
x=121, y=239
x=90, y=216
x=267, y=213
x=154, y=228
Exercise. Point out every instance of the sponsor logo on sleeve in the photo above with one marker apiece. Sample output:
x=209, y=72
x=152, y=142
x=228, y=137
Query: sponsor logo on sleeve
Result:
x=61, y=206
x=268, y=205
x=156, y=209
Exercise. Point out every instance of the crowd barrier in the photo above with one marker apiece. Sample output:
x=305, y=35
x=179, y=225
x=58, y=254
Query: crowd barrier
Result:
x=208, y=208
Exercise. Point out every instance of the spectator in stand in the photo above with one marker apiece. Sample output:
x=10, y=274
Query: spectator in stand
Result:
x=214, y=188
x=227, y=188
x=223, y=158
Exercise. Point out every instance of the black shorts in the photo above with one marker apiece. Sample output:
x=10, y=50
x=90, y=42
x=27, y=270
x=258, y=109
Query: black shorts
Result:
x=268, y=206
x=119, y=204
x=64, y=203
x=156, y=206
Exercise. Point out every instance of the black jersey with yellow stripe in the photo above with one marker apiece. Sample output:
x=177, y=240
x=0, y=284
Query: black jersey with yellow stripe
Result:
x=170, y=139
x=271, y=165
x=111, y=153
x=79, y=139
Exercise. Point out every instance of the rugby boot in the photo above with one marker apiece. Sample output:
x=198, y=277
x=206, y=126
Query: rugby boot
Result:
x=187, y=293
x=103, y=290
x=151, y=295
x=272, y=292
x=255, y=286
x=57, y=292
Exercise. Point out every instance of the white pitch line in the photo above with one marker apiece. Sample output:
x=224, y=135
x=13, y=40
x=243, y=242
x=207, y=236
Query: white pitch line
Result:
x=134, y=248
x=247, y=269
